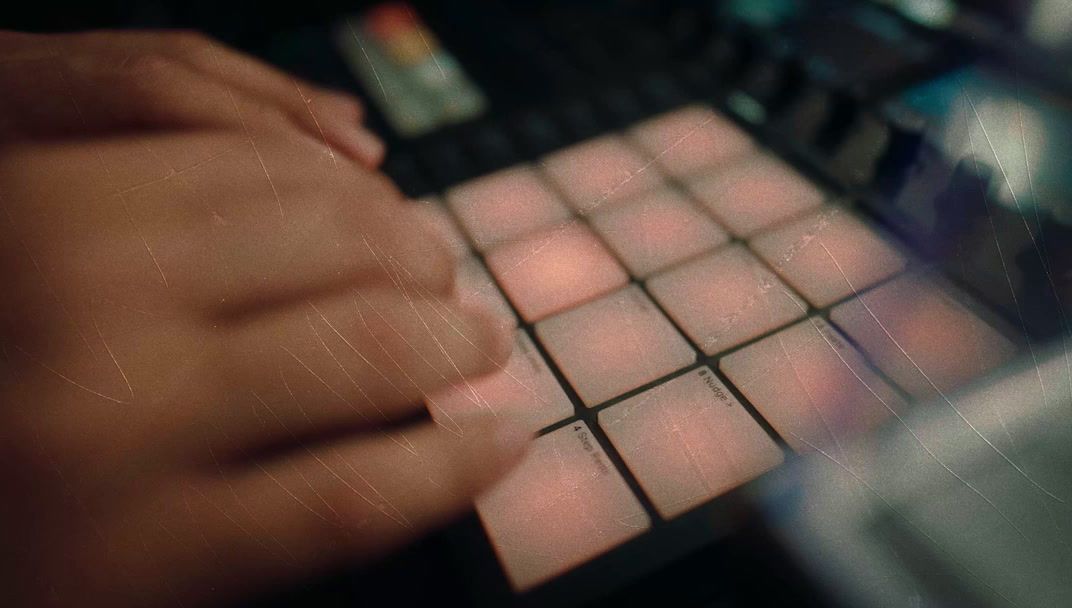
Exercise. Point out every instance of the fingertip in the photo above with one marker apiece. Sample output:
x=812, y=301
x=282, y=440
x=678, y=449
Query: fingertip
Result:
x=497, y=336
x=357, y=143
x=341, y=120
x=493, y=446
x=436, y=270
x=511, y=438
x=424, y=251
x=369, y=148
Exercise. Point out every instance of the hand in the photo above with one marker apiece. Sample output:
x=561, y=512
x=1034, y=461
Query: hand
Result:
x=211, y=340
x=97, y=83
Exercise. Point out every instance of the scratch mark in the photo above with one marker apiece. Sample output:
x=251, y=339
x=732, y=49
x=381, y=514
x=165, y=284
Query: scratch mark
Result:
x=252, y=142
x=398, y=517
x=357, y=40
x=44, y=279
x=67, y=379
x=130, y=389
x=934, y=386
x=306, y=100
x=893, y=509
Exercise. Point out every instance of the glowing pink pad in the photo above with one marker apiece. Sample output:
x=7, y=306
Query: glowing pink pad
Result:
x=690, y=139
x=554, y=270
x=657, y=230
x=562, y=506
x=688, y=441
x=600, y=172
x=505, y=205
x=922, y=338
x=725, y=298
x=811, y=385
x=473, y=286
x=438, y=218
x=613, y=345
x=754, y=192
x=523, y=390
x=828, y=255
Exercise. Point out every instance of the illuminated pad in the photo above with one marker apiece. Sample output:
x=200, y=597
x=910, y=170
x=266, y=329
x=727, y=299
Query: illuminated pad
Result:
x=600, y=172
x=811, y=385
x=473, y=286
x=922, y=338
x=562, y=506
x=690, y=139
x=726, y=298
x=505, y=205
x=753, y=193
x=828, y=255
x=657, y=230
x=554, y=270
x=688, y=441
x=614, y=345
x=438, y=219
x=524, y=390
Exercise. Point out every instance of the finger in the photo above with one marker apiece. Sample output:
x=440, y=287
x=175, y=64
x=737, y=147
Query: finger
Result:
x=246, y=225
x=337, y=118
x=350, y=501
x=34, y=94
x=356, y=360
x=370, y=496
x=332, y=116
x=88, y=94
x=336, y=234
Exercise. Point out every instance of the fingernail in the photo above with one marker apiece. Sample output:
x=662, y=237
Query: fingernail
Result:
x=357, y=142
x=370, y=148
x=500, y=329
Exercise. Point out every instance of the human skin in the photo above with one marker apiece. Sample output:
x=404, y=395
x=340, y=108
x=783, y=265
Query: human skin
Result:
x=217, y=328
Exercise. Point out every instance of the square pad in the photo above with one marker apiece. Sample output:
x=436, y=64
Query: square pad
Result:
x=657, y=230
x=614, y=345
x=554, y=270
x=688, y=440
x=753, y=193
x=562, y=506
x=725, y=298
